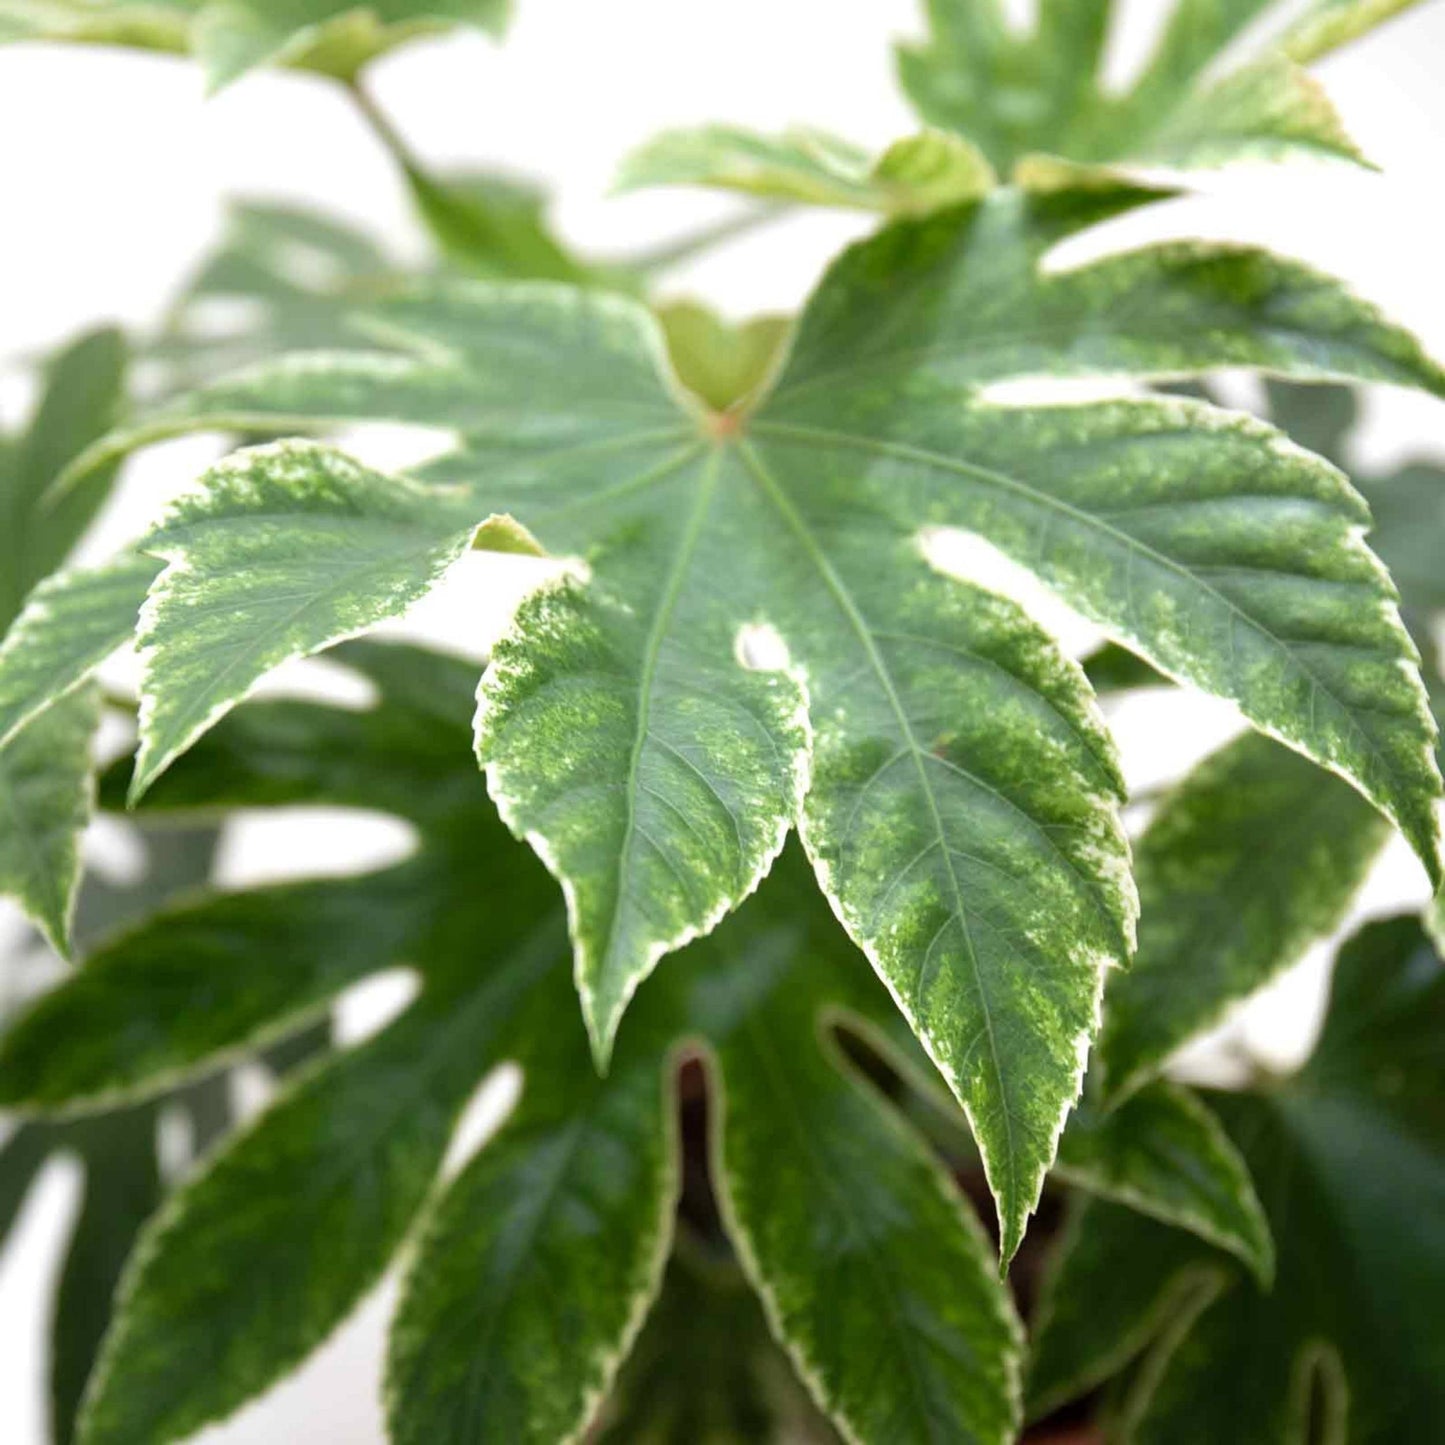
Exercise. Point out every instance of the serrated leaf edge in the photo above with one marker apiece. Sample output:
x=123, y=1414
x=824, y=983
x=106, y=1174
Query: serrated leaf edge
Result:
x=811, y=1379
x=506, y=805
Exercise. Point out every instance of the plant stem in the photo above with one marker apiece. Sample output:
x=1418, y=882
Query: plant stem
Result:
x=381, y=126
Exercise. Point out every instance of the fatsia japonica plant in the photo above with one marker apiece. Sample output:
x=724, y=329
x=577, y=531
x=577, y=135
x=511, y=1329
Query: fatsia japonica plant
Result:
x=776, y=844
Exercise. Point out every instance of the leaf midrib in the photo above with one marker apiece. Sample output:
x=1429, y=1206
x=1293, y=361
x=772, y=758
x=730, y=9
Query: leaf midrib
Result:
x=652, y=651
x=786, y=432
x=780, y=1090
x=856, y=621
x=183, y=724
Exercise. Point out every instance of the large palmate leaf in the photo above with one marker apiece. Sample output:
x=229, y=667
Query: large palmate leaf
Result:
x=230, y=37
x=920, y=173
x=1349, y=1158
x=1015, y=94
x=537, y=1264
x=45, y=767
x=961, y=811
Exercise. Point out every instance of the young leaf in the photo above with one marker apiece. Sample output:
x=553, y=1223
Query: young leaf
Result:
x=722, y=364
x=1015, y=94
x=45, y=795
x=873, y=1270
x=1254, y=857
x=1163, y=1153
x=1349, y=1160
x=536, y=1268
x=920, y=173
x=291, y=547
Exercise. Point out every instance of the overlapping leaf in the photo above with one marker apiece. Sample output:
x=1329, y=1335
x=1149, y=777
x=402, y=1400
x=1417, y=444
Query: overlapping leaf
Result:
x=920, y=173
x=1255, y=856
x=961, y=814
x=230, y=37
x=45, y=765
x=563, y=1219
x=1349, y=1158
x=705, y=1368
x=118, y=1155
x=1016, y=94
x=1163, y=1153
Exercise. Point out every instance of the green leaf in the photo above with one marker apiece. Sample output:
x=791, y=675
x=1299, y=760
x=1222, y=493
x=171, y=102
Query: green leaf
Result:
x=1120, y=1285
x=1328, y=24
x=968, y=298
x=122, y=1189
x=117, y=1155
x=71, y=624
x=200, y=986
x=962, y=822
x=535, y=1270
x=559, y=1224
x=45, y=768
x=873, y=1270
x=283, y=278
x=45, y=795
x=192, y=987
x=1254, y=857
x=1349, y=1160
x=82, y=396
x=291, y=547
x=722, y=364
x=706, y=1370
x=919, y=173
x=1408, y=508
x=494, y=227
x=1163, y=1153
x=230, y=37
x=658, y=776
x=1042, y=90
x=255, y=1261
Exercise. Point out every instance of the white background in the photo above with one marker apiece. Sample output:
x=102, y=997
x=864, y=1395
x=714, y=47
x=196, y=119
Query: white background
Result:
x=112, y=181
